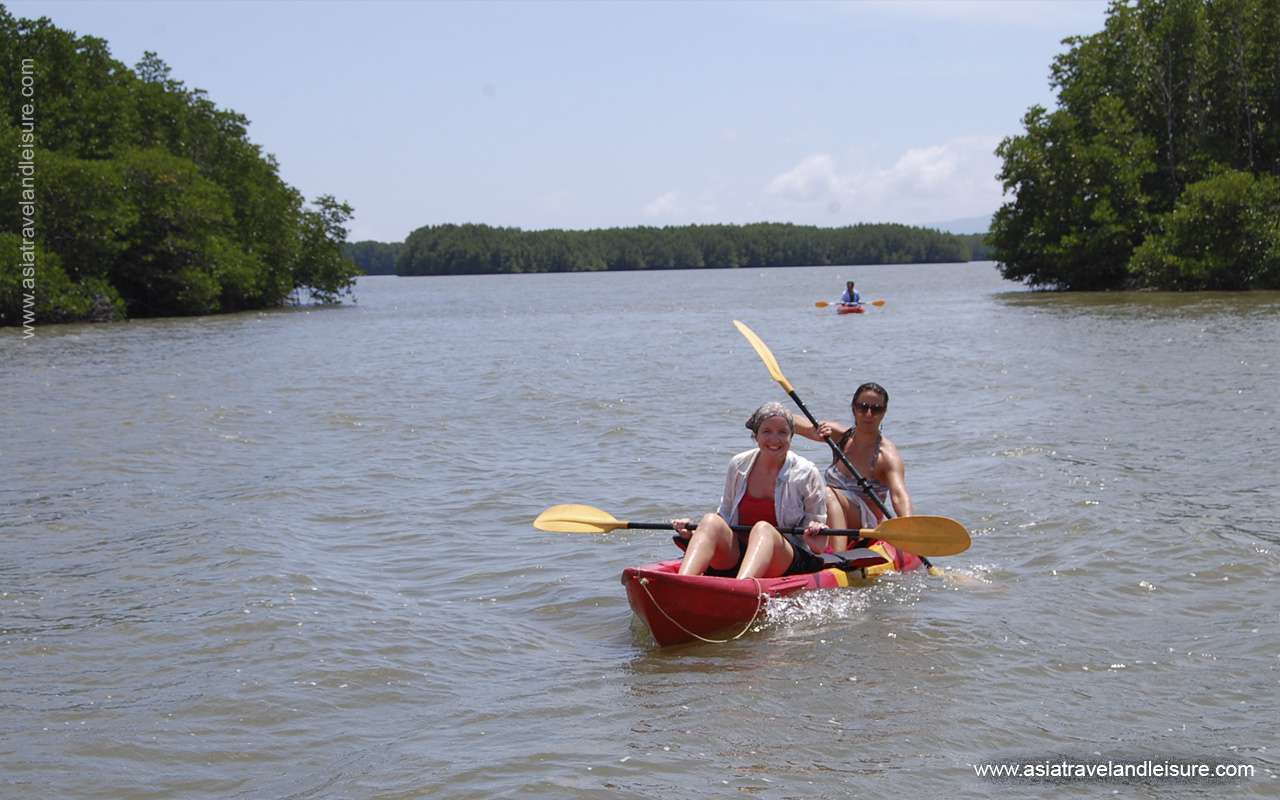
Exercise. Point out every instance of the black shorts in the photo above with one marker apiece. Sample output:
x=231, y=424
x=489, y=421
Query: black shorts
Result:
x=731, y=572
x=802, y=561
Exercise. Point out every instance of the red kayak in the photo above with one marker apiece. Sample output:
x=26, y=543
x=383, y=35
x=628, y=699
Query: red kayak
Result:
x=683, y=608
x=844, y=309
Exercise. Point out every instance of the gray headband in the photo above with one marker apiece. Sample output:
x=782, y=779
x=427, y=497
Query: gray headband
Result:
x=771, y=409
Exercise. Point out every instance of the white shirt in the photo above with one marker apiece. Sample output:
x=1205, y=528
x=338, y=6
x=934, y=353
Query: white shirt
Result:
x=799, y=497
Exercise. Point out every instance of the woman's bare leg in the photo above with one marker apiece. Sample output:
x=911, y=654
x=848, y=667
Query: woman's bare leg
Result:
x=712, y=544
x=768, y=554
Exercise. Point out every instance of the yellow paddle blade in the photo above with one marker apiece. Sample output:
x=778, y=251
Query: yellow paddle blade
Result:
x=762, y=350
x=923, y=535
x=575, y=518
x=824, y=304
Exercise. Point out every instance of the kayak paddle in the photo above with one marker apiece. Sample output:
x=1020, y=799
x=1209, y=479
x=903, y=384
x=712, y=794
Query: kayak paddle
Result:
x=824, y=303
x=923, y=535
x=771, y=364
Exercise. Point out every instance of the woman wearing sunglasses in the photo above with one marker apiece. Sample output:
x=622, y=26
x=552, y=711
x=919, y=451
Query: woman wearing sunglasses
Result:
x=875, y=457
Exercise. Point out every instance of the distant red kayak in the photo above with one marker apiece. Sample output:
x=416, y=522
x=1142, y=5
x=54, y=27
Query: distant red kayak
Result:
x=856, y=309
x=683, y=608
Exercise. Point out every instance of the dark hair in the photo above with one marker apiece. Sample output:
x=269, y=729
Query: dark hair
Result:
x=870, y=387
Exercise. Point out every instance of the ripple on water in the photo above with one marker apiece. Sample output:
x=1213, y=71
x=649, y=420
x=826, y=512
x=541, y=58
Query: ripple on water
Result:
x=318, y=578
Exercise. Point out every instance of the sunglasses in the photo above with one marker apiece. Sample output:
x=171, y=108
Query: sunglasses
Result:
x=871, y=407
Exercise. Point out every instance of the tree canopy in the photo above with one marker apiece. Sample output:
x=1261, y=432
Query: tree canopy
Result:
x=473, y=249
x=146, y=198
x=1159, y=167
x=373, y=258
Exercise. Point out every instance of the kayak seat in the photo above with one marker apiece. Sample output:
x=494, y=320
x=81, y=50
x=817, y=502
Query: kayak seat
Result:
x=858, y=558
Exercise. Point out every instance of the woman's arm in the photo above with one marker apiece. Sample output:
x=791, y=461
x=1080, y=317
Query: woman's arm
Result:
x=815, y=511
x=896, y=480
x=729, y=495
x=833, y=429
x=815, y=497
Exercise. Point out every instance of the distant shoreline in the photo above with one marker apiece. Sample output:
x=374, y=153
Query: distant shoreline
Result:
x=679, y=269
x=472, y=249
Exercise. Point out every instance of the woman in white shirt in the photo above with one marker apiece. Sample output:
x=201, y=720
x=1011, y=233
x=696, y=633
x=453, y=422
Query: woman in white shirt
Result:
x=767, y=488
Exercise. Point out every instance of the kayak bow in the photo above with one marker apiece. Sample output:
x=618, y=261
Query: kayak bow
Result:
x=681, y=608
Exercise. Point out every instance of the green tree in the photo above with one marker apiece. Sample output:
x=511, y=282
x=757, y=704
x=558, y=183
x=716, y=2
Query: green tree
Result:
x=169, y=263
x=56, y=297
x=1223, y=234
x=1079, y=207
x=85, y=105
x=152, y=198
x=86, y=212
x=459, y=249
x=1170, y=93
x=321, y=267
x=374, y=258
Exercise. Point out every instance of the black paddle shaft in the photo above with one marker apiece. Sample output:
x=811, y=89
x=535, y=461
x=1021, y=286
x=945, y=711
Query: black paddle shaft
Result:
x=835, y=448
x=658, y=526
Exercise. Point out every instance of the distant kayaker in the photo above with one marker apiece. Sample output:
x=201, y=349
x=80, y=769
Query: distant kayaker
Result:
x=850, y=297
x=875, y=457
x=768, y=487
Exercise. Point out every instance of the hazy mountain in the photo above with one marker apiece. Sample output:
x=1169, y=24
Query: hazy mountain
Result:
x=963, y=225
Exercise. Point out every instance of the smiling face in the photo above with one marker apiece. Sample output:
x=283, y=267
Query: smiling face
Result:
x=774, y=436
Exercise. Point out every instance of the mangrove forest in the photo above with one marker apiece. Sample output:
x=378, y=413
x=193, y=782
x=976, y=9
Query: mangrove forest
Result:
x=481, y=249
x=1160, y=167
x=135, y=195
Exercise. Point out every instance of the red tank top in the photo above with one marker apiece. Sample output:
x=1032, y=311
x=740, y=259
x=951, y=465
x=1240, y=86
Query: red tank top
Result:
x=755, y=509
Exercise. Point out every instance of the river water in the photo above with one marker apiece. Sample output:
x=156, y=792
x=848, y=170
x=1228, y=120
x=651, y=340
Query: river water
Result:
x=289, y=554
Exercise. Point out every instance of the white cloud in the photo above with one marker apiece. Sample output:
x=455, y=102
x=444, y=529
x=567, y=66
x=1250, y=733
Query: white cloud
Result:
x=676, y=208
x=952, y=179
x=662, y=205
x=925, y=169
x=812, y=179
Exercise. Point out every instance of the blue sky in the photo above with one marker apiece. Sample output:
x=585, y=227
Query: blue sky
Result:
x=583, y=115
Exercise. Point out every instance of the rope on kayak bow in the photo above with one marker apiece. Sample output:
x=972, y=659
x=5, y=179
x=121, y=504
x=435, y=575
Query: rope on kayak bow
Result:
x=760, y=595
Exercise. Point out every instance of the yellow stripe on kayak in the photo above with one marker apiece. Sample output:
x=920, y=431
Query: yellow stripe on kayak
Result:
x=880, y=569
